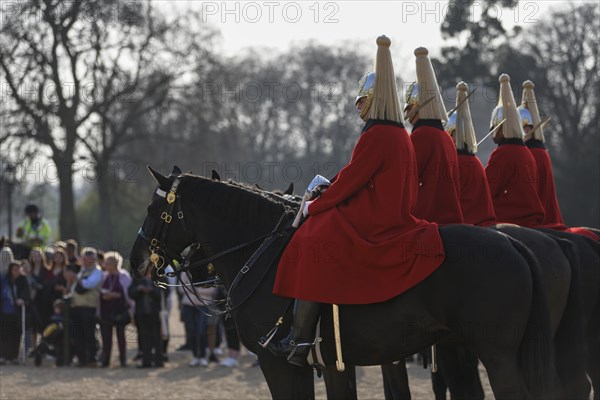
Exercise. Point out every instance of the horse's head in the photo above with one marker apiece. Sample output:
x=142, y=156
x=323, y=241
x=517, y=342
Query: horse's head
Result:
x=164, y=233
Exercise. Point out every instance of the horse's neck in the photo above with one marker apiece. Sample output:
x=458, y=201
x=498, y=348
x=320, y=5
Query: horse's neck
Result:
x=225, y=231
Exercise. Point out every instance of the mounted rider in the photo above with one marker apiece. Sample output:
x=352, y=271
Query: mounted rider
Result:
x=362, y=226
x=439, y=183
x=533, y=127
x=511, y=171
x=475, y=200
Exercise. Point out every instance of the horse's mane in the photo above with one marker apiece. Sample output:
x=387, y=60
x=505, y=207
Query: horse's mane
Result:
x=235, y=199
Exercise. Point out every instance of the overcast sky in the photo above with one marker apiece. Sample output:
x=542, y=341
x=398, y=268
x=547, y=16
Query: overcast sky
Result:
x=277, y=24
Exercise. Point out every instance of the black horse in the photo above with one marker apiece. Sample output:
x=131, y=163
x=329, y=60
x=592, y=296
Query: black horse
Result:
x=562, y=282
x=588, y=253
x=487, y=294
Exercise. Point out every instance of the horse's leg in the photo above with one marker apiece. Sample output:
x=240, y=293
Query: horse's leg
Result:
x=593, y=360
x=286, y=381
x=458, y=367
x=438, y=384
x=504, y=375
x=395, y=381
x=340, y=385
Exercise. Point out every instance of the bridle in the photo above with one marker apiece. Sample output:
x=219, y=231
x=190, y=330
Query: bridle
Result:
x=162, y=256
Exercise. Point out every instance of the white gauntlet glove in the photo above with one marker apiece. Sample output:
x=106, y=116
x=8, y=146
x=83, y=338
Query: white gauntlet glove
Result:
x=305, y=211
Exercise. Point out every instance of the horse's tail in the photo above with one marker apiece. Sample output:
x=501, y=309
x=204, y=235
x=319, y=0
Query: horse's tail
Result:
x=569, y=339
x=536, y=352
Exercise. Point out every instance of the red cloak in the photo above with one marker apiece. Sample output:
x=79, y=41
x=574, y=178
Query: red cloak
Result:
x=547, y=191
x=475, y=199
x=361, y=242
x=439, y=183
x=512, y=177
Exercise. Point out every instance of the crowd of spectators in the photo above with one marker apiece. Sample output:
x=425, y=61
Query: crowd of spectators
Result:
x=55, y=301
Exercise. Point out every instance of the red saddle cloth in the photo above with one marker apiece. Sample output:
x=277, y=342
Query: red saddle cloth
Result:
x=361, y=243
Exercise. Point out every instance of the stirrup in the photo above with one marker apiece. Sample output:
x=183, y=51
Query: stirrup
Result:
x=301, y=360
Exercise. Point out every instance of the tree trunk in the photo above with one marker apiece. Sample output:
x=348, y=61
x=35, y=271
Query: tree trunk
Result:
x=104, y=204
x=67, y=218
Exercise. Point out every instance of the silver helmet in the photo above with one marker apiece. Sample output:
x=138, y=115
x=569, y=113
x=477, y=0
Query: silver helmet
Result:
x=451, y=124
x=411, y=97
x=497, y=117
x=525, y=115
x=366, y=86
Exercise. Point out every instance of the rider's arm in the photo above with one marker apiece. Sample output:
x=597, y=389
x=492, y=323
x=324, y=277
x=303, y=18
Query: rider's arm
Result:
x=366, y=159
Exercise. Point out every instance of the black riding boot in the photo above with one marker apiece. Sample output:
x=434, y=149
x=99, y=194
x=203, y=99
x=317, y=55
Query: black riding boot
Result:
x=296, y=345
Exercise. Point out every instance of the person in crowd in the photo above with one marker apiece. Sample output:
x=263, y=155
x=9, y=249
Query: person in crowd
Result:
x=53, y=285
x=147, y=299
x=114, y=306
x=55, y=278
x=14, y=299
x=72, y=248
x=34, y=230
x=86, y=296
x=100, y=259
x=231, y=337
x=233, y=344
x=6, y=257
x=40, y=273
x=165, y=312
x=195, y=319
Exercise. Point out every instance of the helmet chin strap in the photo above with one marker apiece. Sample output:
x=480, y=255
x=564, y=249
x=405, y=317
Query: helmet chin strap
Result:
x=365, y=111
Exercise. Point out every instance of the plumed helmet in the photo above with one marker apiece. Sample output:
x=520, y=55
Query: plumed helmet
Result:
x=428, y=87
x=529, y=103
x=464, y=134
x=507, y=109
x=385, y=104
x=526, y=118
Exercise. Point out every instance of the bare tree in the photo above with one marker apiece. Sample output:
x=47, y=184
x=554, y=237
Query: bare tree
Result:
x=565, y=47
x=80, y=72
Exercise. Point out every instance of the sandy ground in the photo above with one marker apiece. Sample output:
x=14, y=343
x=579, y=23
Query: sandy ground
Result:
x=176, y=380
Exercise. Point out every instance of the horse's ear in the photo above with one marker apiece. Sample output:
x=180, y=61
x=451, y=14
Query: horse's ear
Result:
x=290, y=189
x=163, y=181
x=215, y=176
x=258, y=187
x=176, y=171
